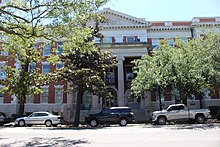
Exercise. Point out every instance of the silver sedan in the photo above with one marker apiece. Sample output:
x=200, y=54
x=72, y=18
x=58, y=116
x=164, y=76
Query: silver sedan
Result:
x=39, y=118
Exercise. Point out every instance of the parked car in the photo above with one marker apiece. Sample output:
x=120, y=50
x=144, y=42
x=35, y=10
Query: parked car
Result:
x=179, y=112
x=2, y=119
x=113, y=115
x=39, y=118
x=215, y=112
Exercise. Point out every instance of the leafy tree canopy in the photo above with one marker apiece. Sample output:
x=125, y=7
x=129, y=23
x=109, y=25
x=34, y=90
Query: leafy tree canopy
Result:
x=191, y=65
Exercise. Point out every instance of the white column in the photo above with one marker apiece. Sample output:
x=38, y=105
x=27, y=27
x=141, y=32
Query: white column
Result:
x=120, y=81
x=95, y=102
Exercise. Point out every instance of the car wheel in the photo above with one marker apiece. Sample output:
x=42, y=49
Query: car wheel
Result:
x=200, y=119
x=21, y=123
x=93, y=123
x=48, y=123
x=161, y=120
x=123, y=122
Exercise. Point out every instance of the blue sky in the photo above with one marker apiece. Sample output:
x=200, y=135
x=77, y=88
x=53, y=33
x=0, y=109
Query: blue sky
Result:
x=167, y=10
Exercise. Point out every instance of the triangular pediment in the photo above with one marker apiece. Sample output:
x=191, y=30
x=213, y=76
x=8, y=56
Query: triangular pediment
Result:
x=119, y=19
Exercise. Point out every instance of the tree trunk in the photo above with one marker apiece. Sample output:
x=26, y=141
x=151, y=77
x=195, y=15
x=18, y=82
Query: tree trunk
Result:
x=21, y=109
x=183, y=95
x=200, y=100
x=160, y=102
x=78, y=106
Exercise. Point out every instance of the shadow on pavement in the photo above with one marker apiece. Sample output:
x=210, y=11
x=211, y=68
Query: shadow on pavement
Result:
x=186, y=126
x=47, y=142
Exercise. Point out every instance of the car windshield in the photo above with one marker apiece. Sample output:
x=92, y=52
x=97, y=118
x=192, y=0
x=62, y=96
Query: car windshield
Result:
x=106, y=111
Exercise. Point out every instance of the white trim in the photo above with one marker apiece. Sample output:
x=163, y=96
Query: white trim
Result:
x=44, y=87
x=58, y=86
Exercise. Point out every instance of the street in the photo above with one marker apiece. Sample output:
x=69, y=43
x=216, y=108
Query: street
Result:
x=180, y=135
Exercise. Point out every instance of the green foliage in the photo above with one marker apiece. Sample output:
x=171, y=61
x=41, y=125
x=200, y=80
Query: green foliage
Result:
x=23, y=23
x=192, y=65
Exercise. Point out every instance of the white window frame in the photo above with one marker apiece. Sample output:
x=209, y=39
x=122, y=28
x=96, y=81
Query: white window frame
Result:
x=107, y=39
x=47, y=47
x=87, y=100
x=1, y=95
x=57, y=63
x=207, y=94
x=170, y=41
x=45, y=90
x=32, y=66
x=131, y=39
x=97, y=40
x=2, y=71
x=59, y=44
x=44, y=64
x=58, y=96
x=30, y=99
x=110, y=76
x=3, y=51
x=129, y=75
x=155, y=41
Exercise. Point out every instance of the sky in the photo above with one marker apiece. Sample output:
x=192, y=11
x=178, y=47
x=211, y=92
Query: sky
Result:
x=166, y=10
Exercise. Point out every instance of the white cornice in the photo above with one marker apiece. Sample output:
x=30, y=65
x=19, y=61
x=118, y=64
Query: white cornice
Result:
x=137, y=22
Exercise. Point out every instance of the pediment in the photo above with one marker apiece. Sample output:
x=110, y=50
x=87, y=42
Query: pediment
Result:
x=118, y=19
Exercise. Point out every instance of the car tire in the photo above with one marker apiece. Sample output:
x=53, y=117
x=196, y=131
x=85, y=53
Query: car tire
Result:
x=123, y=122
x=200, y=119
x=48, y=123
x=161, y=120
x=21, y=123
x=93, y=123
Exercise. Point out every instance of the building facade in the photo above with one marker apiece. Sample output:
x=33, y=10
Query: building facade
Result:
x=127, y=38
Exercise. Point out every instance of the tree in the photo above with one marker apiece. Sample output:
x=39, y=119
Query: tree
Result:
x=84, y=67
x=189, y=66
x=25, y=22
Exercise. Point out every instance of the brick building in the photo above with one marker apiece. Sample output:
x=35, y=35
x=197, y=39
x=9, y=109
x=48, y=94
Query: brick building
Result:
x=128, y=38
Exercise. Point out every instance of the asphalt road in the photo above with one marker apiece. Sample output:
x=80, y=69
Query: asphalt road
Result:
x=135, y=135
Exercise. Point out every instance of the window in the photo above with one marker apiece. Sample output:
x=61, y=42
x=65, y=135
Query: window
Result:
x=2, y=71
x=161, y=96
x=3, y=51
x=155, y=42
x=106, y=111
x=30, y=99
x=59, y=94
x=59, y=48
x=129, y=73
x=184, y=39
x=110, y=76
x=107, y=40
x=47, y=50
x=130, y=39
x=45, y=67
x=129, y=96
x=45, y=94
x=175, y=95
x=1, y=96
x=206, y=93
x=59, y=65
x=170, y=41
x=35, y=46
x=87, y=100
x=32, y=67
x=97, y=40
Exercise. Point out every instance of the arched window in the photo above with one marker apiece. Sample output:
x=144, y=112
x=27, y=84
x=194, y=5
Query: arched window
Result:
x=111, y=102
x=175, y=95
x=129, y=96
x=86, y=101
